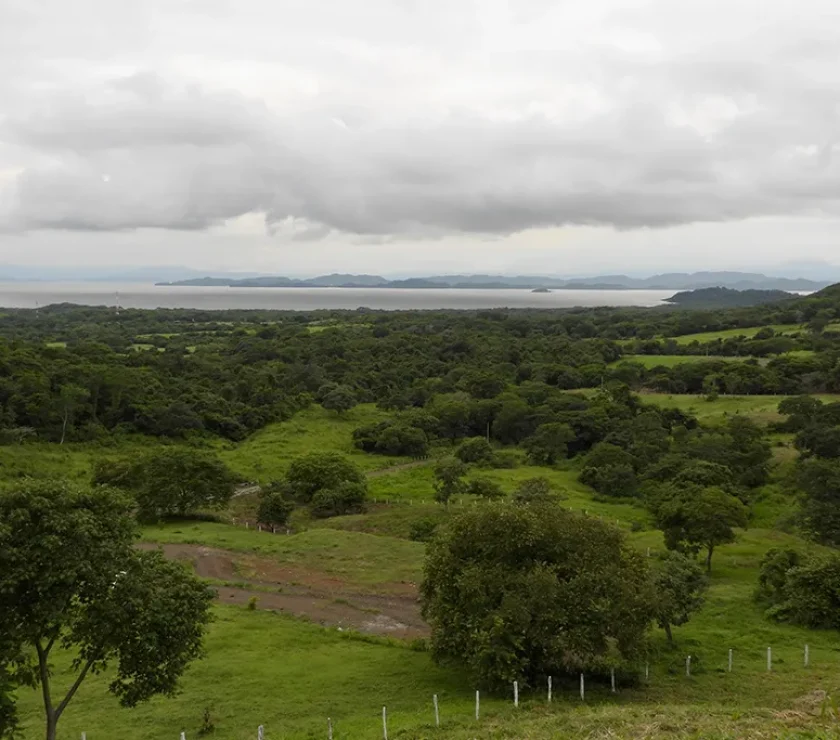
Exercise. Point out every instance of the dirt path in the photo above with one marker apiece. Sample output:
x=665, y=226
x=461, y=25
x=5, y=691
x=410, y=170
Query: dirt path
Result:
x=304, y=593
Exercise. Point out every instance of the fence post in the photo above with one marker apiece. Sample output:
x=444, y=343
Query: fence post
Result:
x=612, y=679
x=183, y=736
x=384, y=724
x=549, y=689
x=730, y=660
x=437, y=711
x=84, y=736
x=260, y=732
x=582, y=689
x=477, y=705
x=516, y=693
x=769, y=659
x=647, y=671
x=329, y=729
x=807, y=656
x=688, y=666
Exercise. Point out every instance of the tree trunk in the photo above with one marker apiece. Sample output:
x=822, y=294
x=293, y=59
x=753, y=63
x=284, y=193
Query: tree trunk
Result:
x=668, y=634
x=52, y=724
x=709, y=559
x=64, y=427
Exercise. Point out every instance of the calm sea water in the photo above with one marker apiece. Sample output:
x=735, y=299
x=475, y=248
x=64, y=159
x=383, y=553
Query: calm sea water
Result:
x=33, y=295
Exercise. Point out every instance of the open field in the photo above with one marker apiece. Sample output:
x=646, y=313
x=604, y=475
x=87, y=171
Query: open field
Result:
x=360, y=573
x=711, y=336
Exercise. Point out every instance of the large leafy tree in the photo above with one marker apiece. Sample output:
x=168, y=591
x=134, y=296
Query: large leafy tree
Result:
x=549, y=443
x=698, y=518
x=319, y=471
x=175, y=481
x=522, y=592
x=679, y=583
x=449, y=479
x=72, y=579
x=819, y=481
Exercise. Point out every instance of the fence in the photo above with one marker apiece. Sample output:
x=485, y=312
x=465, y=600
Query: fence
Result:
x=549, y=692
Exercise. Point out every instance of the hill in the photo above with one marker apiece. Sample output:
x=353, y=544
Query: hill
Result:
x=726, y=298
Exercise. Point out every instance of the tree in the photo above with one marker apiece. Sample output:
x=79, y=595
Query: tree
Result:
x=700, y=518
x=535, y=490
x=340, y=399
x=485, y=488
x=171, y=482
x=522, y=592
x=320, y=470
x=70, y=398
x=345, y=498
x=819, y=481
x=678, y=583
x=449, y=479
x=71, y=577
x=274, y=509
x=548, y=443
x=610, y=470
x=475, y=450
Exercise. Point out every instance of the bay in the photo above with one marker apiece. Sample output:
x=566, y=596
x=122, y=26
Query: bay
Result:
x=135, y=295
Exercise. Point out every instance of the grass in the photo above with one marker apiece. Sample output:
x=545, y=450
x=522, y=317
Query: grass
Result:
x=355, y=557
x=763, y=409
x=723, y=334
x=266, y=455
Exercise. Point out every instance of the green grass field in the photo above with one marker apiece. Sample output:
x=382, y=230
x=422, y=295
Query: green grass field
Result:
x=269, y=668
x=762, y=409
x=711, y=336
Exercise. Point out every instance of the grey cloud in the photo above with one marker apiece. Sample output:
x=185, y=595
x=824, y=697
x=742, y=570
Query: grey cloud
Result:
x=755, y=137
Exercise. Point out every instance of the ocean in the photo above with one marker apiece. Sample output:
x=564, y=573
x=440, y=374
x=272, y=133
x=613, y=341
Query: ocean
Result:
x=136, y=295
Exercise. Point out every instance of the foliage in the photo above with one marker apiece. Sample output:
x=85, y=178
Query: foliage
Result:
x=548, y=443
x=449, y=479
x=485, y=488
x=341, y=398
x=800, y=589
x=422, y=530
x=819, y=482
x=475, y=450
x=698, y=518
x=509, y=592
x=535, y=491
x=174, y=481
x=610, y=470
x=319, y=471
x=274, y=509
x=678, y=584
x=346, y=498
x=72, y=578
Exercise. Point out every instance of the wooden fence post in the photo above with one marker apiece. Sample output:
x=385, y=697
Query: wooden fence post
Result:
x=612, y=679
x=477, y=704
x=688, y=666
x=437, y=711
x=384, y=724
x=730, y=660
x=516, y=693
x=807, y=656
x=582, y=689
x=769, y=659
x=549, y=689
x=329, y=729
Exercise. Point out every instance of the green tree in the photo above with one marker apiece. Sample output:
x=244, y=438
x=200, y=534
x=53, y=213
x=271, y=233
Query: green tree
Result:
x=70, y=399
x=700, y=518
x=340, y=399
x=71, y=577
x=610, y=470
x=171, y=482
x=535, y=490
x=819, y=481
x=475, y=450
x=320, y=470
x=548, y=443
x=345, y=498
x=521, y=592
x=678, y=584
x=274, y=509
x=485, y=488
x=449, y=479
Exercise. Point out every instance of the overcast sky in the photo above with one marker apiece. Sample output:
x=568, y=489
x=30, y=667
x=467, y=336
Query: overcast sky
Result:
x=397, y=136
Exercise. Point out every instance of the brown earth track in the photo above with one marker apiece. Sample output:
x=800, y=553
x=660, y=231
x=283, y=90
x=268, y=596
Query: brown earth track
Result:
x=304, y=593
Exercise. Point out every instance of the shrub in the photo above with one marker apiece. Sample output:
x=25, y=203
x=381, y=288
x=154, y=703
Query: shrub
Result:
x=346, y=498
x=422, y=530
x=475, y=450
x=320, y=470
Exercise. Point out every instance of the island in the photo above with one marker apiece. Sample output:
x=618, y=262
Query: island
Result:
x=541, y=290
x=726, y=298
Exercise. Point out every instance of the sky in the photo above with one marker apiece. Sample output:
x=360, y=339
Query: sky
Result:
x=419, y=136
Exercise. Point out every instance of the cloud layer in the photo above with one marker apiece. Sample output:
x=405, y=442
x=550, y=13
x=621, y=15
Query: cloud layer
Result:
x=409, y=119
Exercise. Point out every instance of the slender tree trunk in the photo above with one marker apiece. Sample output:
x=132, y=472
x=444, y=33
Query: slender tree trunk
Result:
x=668, y=632
x=64, y=427
x=709, y=558
x=44, y=671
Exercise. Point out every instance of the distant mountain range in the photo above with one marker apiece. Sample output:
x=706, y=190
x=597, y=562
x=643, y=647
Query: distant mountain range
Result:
x=667, y=281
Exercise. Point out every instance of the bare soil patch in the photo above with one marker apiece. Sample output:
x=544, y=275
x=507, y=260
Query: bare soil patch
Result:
x=304, y=593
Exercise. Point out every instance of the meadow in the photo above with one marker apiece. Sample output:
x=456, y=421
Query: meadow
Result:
x=266, y=666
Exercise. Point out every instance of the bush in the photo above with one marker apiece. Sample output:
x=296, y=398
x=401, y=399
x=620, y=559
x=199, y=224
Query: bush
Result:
x=504, y=460
x=485, y=488
x=274, y=509
x=508, y=592
x=535, y=490
x=475, y=450
x=346, y=498
x=318, y=471
x=423, y=530
x=610, y=470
